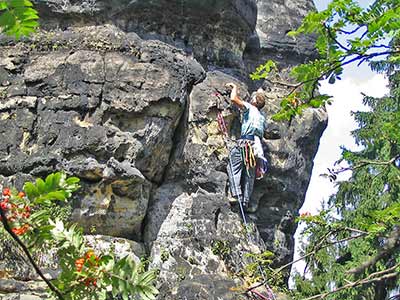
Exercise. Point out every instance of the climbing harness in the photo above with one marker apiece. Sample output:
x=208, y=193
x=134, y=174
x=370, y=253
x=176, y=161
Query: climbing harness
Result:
x=248, y=157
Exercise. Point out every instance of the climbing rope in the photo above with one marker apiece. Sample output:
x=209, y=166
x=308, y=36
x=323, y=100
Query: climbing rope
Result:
x=246, y=155
x=184, y=80
x=270, y=295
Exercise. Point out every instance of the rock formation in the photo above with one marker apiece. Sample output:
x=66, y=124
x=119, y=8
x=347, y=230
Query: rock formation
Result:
x=122, y=94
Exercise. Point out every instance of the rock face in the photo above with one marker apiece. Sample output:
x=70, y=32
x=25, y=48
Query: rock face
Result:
x=122, y=94
x=195, y=243
x=215, y=31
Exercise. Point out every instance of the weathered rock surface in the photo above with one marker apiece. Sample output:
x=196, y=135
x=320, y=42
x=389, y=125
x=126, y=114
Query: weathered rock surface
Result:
x=199, y=246
x=108, y=117
x=270, y=41
x=215, y=31
x=130, y=107
x=275, y=19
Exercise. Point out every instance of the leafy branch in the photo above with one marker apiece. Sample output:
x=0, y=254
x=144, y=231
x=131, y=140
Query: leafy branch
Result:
x=334, y=54
x=319, y=246
x=390, y=215
x=28, y=254
x=18, y=17
x=84, y=274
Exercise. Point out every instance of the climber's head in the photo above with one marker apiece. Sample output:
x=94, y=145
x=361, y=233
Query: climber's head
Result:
x=258, y=99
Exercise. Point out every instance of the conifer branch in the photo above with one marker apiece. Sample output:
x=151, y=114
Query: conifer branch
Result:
x=392, y=243
x=316, y=249
x=374, y=277
x=361, y=164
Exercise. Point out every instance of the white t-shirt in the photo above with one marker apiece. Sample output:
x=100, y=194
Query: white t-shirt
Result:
x=253, y=121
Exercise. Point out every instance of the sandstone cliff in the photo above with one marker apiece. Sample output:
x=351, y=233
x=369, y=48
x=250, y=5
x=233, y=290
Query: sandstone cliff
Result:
x=121, y=94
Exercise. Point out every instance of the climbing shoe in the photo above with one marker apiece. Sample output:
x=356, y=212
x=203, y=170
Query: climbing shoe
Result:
x=251, y=209
x=245, y=205
x=232, y=200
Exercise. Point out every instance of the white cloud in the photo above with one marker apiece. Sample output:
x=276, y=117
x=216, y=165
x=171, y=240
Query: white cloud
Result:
x=347, y=98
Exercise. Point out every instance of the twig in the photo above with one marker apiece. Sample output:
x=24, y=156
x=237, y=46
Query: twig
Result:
x=307, y=255
x=27, y=253
x=363, y=163
x=364, y=34
x=283, y=83
x=363, y=281
x=385, y=250
x=334, y=38
x=381, y=46
x=334, y=66
x=351, y=32
x=355, y=230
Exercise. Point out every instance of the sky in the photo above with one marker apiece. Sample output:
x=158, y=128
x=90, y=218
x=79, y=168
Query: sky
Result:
x=346, y=98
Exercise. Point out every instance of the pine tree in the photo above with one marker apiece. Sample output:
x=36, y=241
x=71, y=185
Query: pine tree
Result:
x=353, y=248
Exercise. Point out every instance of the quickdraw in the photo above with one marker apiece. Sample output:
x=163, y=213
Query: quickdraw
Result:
x=252, y=158
x=221, y=124
x=220, y=118
x=248, y=156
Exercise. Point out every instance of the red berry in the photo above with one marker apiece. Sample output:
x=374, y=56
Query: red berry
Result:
x=4, y=204
x=6, y=192
x=89, y=254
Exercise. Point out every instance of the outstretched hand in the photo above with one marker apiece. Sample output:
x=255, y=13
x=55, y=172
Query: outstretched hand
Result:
x=234, y=89
x=231, y=85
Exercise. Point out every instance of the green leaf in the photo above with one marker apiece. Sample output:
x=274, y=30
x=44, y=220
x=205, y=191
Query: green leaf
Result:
x=7, y=20
x=72, y=180
x=50, y=182
x=3, y=5
x=58, y=195
x=41, y=186
x=147, y=278
x=31, y=190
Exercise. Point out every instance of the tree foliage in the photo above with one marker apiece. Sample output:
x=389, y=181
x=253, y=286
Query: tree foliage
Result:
x=353, y=245
x=18, y=17
x=346, y=34
x=32, y=219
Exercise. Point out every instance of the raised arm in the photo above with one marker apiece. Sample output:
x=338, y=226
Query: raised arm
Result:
x=234, y=95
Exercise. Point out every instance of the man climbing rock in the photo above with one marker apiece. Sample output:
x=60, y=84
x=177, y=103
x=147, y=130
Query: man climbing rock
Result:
x=244, y=157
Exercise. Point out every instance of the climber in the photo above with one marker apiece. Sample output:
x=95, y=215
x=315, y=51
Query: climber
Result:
x=248, y=152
